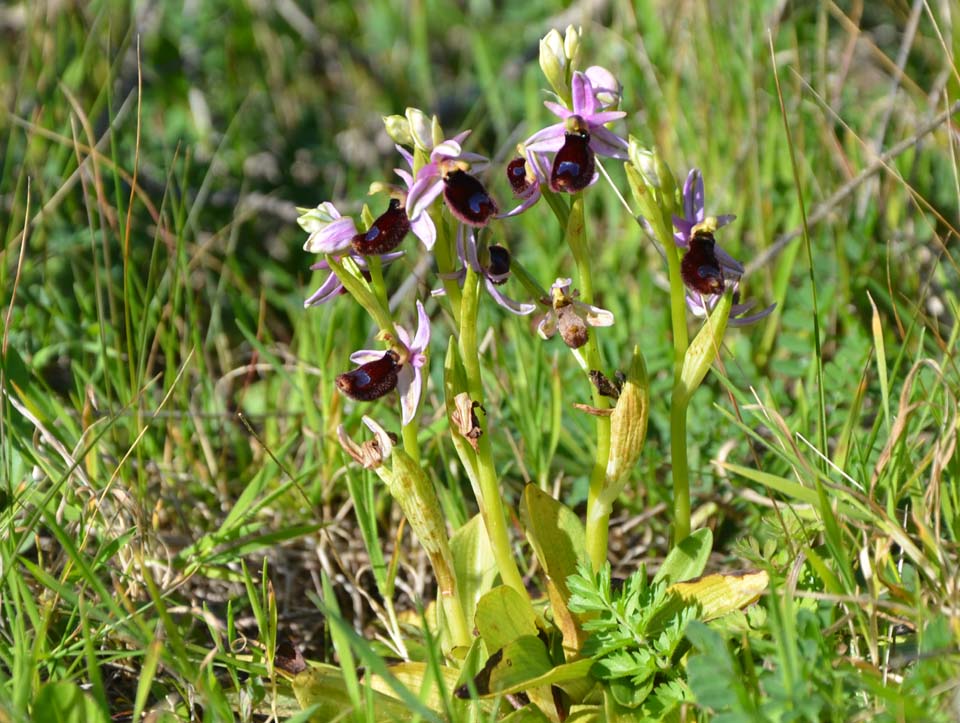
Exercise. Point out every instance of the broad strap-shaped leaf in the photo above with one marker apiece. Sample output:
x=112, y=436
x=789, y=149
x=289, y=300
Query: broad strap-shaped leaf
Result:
x=504, y=616
x=556, y=534
x=473, y=564
x=688, y=559
x=719, y=594
x=327, y=691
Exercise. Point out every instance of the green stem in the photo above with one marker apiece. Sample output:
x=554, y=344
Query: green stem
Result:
x=491, y=507
x=598, y=514
x=678, y=452
x=678, y=400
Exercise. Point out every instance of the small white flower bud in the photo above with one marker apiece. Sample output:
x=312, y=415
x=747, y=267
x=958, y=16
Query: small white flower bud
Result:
x=398, y=128
x=421, y=129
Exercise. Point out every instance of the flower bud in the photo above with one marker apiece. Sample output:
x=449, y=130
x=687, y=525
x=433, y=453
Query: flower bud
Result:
x=644, y=160
x=553, y=62
x=571, y=46
x=421, y=129
x=398, y=128
x=628, y=424
x=668, y=184
x=606, y=87
x=316, y=219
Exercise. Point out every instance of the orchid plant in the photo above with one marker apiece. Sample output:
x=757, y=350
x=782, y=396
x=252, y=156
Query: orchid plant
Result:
x=445, y=203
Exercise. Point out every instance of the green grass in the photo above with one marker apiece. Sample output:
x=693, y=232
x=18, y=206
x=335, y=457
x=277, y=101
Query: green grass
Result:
x=173, y=494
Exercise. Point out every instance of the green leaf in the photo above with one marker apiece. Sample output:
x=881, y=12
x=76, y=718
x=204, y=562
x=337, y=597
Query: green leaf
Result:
x=527, y=714
x=325, y=694
x=517, y=665
x=688, y=559
x=559, y=542
x=556, y=534
x=64, y=702
x=714, y=677
x=504, y=616
x=704, y=347
x=473, y=564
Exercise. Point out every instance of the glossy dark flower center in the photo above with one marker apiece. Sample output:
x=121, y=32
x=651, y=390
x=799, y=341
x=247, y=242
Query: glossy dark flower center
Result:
x=371, y=380
x=517, y=175
x=574, y=165
x=700, y=268
x=499, y=268
x=467, y=199
x=385, y=233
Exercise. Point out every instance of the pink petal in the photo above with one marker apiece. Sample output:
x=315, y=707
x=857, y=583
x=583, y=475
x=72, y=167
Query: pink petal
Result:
x=332, y=238
x=558, y=110
x=423, y=195
x=609, y=144
x=744, y=320
x=424, y=229
x=407, y=155
x=527, y=203
x=362, y=356
x=409, y=383
x=608, y=116
x=422, y=340
x=584, y=102
x=515, y=307
x=330, y=288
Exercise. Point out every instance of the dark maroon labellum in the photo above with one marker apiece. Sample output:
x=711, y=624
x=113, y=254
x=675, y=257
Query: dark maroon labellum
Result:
x=467, y=199
x=700, y=269
x=517, y=175
x=371, y=380
x=573, y=166
x=499, y=268
x=385, y=234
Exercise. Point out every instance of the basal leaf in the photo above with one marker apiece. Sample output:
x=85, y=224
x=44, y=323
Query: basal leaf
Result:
x=473, y=564
x=503, y=616
x=688, y=559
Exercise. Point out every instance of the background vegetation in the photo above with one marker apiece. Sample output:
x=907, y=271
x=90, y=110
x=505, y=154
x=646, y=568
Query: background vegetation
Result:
x=172, y=489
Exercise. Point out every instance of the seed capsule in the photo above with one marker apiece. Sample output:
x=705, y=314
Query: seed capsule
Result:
x=467, y=199
x=700, y=268
x=573, y=166
x=386, y=233
x=371, y=380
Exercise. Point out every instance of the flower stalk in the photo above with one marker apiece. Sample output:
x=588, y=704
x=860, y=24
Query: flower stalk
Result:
x=597, y=522
x=490, y=503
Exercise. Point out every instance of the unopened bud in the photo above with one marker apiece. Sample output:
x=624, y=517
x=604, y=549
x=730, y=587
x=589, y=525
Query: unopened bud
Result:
x=553, y=62
x=571, y=46
x=398, y=128
x=314, y=220
x=668, y=184
x=644, y=160
x=421, y=129
x=628, y=424
x=606, y=87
